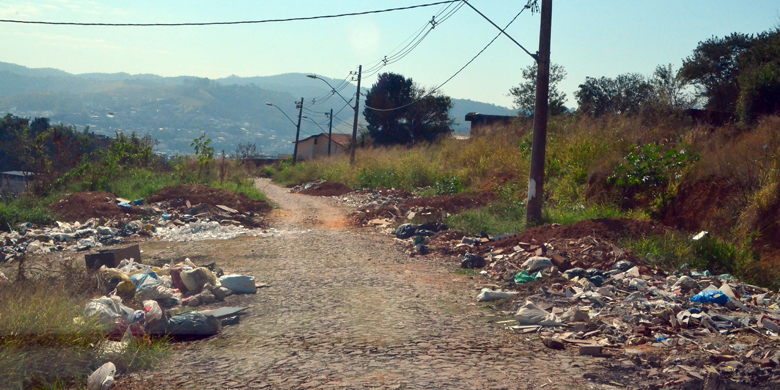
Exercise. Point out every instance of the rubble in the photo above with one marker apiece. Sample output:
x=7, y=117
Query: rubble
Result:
x=590, y=296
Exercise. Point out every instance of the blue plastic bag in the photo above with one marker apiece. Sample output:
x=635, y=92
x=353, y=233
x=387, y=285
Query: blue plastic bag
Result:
x=711, y=297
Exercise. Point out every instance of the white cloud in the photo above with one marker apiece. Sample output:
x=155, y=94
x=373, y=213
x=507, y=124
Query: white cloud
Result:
x=17, y=11
x=64, y=40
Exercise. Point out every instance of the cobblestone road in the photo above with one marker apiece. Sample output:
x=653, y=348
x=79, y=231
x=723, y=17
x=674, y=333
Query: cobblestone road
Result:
x=349, y=310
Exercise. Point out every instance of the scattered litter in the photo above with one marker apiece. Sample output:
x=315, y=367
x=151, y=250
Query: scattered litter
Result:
x=487, y=295
x=102, y=378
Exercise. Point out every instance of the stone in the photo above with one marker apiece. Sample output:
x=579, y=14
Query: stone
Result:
x=553, y=343
x=590, y=350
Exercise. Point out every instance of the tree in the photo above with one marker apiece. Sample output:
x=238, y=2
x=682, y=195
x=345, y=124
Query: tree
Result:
x=669, y=88
x=759, y=78
x=714, y=69
x=414, y=115
x=525, y=94
x=625, y=94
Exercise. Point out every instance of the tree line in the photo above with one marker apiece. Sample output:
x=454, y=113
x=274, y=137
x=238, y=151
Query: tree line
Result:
x=736, y=76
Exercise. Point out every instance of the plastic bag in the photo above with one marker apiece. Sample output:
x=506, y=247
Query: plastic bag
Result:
x=710, y=297
x=196, y=278
x=531, y=314
x=3, y=279
x=524, y=277
x=239, y=284
x=487, y=295
x=145, y=279
x=108, y=309
x=158, y=292
x=102, y=378
x=537, y=263
x=193, y=325
x=153, y=310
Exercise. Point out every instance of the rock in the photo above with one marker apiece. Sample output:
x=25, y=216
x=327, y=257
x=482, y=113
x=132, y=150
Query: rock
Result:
x=553, y=343
x=623, y=265
x=590, y=350
x=575, y=315
x=685, y=282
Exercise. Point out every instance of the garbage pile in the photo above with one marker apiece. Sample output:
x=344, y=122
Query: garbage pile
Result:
x=157, y=291
x=184, y=223
x=589, y=296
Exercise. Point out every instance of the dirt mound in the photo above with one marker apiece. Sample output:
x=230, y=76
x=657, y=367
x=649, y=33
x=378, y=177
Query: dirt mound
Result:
x=82, y=206
x=178, y=195
x=698, y=205
x=605, y=229
x=451, y=203
x=327, y=189
x=427, y=209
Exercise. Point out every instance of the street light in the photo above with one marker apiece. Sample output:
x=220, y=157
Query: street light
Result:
x=288, y=118
x=297, y=126
x=314, y=76
x=357, y=105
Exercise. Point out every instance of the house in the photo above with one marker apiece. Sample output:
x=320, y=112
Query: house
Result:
x=15, y=182
x=480, y=121
x=316, y=146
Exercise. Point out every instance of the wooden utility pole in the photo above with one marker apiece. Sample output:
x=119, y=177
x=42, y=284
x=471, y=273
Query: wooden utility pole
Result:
x=536, y=182
x=330, y=130
x=297, y=131
x=355, y=123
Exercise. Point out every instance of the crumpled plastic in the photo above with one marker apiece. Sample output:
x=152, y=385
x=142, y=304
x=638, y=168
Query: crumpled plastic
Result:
x=524, y=277
x=530, y=314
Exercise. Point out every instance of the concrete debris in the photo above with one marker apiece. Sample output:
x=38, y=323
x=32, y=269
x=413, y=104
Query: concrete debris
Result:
x=706, y=329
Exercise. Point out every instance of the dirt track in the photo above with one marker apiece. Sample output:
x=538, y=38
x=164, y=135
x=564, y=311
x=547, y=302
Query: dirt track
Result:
x=347, y=309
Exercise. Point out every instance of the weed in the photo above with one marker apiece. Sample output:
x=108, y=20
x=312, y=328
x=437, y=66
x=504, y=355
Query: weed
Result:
x=466, y=271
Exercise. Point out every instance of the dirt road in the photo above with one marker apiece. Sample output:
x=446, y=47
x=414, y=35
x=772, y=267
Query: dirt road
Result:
x=348, y=310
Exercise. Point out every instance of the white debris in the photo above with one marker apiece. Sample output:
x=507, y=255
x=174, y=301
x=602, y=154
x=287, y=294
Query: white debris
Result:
x=200, y=231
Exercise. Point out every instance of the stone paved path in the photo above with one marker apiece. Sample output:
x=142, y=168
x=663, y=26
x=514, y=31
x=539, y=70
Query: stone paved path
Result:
x=348, y=310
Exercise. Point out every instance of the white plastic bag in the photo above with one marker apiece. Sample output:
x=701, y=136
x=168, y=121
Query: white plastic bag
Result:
x=102, y=378
x=531, y=314
x=537, y=263
x=487, y=295
x=195, y=279
x=153, y=310
x=107, y=309
x=239, y=284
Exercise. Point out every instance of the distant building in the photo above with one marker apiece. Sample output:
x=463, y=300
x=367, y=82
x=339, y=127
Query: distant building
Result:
x=480, y=121
x=15, y=182
x=316, y=146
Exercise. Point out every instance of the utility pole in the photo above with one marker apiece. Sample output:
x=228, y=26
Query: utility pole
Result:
x=355, y=123
x=330, y=130
x=297, y=130
x=536, y=181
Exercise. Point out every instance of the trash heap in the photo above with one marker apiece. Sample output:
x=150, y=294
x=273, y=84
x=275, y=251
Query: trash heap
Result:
x=589, y=296
x=183, y=223
x=157, y=292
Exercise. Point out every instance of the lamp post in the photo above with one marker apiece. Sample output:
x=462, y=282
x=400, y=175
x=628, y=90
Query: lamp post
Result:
x=297, y=126
x=356, y=107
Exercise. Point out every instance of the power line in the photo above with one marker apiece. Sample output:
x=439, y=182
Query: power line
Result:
x=227, y=23
x=527, y=6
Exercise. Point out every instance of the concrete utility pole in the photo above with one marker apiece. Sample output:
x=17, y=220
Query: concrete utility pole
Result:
x=536, y=182
x=354, y=125
x=297, y=131
x=330, y=130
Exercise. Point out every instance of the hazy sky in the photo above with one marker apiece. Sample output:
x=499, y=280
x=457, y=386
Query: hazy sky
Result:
x=590, y=38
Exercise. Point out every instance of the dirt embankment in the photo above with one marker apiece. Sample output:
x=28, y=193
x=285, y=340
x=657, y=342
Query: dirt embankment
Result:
x=178, y=195
x=82, y=206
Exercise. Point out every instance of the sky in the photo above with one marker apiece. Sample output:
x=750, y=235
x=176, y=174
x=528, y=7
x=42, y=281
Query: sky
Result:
x=589, y=38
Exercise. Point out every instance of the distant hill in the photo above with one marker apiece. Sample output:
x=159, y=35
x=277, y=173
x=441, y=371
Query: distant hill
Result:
x=175, y=110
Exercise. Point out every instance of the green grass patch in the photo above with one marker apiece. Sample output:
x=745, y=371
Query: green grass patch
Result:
x=41, y=346
x=466, y=271
x=495, y=219
x=246, y=187
x=569, y=215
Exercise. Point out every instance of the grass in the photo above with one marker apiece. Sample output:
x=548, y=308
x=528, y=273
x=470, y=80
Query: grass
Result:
x=42, y=346
x=466, y=271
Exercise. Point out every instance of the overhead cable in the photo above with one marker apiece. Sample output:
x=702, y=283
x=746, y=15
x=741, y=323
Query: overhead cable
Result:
x=298, y=19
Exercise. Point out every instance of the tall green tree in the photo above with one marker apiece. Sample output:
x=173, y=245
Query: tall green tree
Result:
x=669, y=88
x=524, y=95
x=714, y=69
x=625, y=94
x=403, y=113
